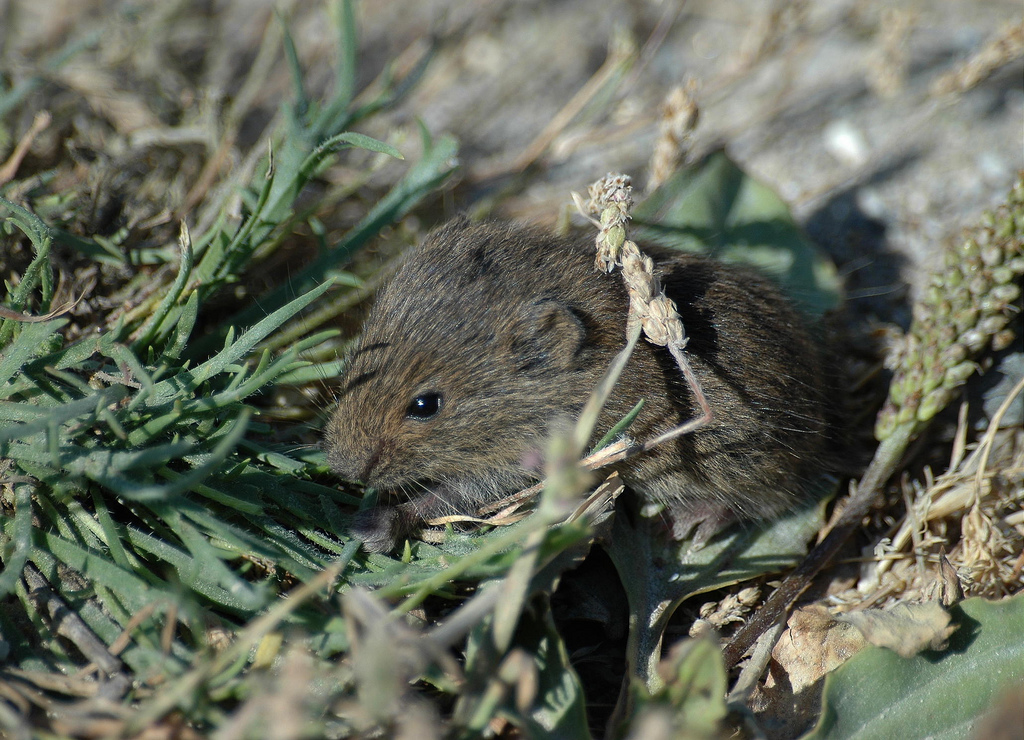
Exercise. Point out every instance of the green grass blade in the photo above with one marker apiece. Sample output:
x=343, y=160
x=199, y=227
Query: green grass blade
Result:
x=88, y=408
x=153, y=324
x=425, y=176
x=30, y=341
x=248, y=341
x=39, y=272
x=345, y=69
x=20, y=533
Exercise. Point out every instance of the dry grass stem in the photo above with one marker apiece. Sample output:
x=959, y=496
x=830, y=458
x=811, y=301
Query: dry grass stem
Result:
x=679, y=116
x=10, y=168
x=649, y=307
x=1005, y=47
x=66, y=307
x=506, y=510
x=984, y=498
x=768, y=32
x=887, y=67
x=620, y=55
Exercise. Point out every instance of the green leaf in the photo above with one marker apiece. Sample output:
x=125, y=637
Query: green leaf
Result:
x=697, y=684
x=299, y=109
x=32, y=339
x=254, y=335
x=424, y=177
x=938, y=695
x=20, y=534
x=620, y=426
x=38, y=273
x=33, y=226
x=692, y=701
x=345, y=67
x=559, y=709
x=659, y=575
x=183, y=327
x=716, y=208
x=153, y=324
x=556, y=706
x=343, y=141
x=90, y=406
x=129, y=587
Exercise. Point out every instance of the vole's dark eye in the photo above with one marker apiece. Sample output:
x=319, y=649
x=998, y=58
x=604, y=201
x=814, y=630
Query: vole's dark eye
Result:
x=424, y=406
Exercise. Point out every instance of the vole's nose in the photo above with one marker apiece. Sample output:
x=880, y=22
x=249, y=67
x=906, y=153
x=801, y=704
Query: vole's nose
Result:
x=352, y=464
x=342, y=463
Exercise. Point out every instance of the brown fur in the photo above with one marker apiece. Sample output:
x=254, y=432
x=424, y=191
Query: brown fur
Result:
x=515, y=328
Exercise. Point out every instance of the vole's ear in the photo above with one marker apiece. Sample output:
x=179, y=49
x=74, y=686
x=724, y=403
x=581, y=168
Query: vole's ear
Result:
x=547, y=334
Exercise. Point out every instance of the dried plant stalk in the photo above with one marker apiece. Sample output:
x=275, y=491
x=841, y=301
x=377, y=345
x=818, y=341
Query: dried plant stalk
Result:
x=887, y=68
x=679, y=116
x=1005, y=47
x=650, y=310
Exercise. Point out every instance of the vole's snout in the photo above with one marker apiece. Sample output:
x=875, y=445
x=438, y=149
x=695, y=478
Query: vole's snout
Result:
x=349, y=461
x=340, y=460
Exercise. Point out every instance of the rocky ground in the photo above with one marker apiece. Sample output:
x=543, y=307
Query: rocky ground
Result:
x=852, y=111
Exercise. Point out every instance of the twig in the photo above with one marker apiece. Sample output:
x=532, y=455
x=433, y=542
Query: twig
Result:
x=68, y=624
x=617, y=58
x=10, y=168
x=67, y=307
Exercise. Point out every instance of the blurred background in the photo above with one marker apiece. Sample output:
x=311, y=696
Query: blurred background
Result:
x=886, y=126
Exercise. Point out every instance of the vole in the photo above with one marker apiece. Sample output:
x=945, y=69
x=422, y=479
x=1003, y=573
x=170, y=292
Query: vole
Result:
x=488, y=334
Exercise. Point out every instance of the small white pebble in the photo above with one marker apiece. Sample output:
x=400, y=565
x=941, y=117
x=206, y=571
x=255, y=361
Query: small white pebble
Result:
x=846, y=143
x=484, y=55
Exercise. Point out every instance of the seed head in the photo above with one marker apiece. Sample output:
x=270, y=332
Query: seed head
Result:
x=966, y=308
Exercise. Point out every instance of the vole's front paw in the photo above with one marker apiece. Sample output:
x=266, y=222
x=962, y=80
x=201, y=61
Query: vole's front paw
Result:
x=380, y=528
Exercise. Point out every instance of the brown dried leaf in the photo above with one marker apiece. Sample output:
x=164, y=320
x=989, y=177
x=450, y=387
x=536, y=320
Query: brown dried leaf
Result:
x=814, y=644
x=817, y=642
x=950, y=590
x=906, y=629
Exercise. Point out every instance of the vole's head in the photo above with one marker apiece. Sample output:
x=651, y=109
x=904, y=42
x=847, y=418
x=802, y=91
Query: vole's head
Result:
x=468, y=354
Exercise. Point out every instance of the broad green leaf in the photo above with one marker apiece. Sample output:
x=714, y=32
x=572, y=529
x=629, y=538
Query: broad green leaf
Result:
x=534, y=686
x=559, y=709
x=696, y=685
x=716, y=208
x=658, y=575
x=939, y=695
